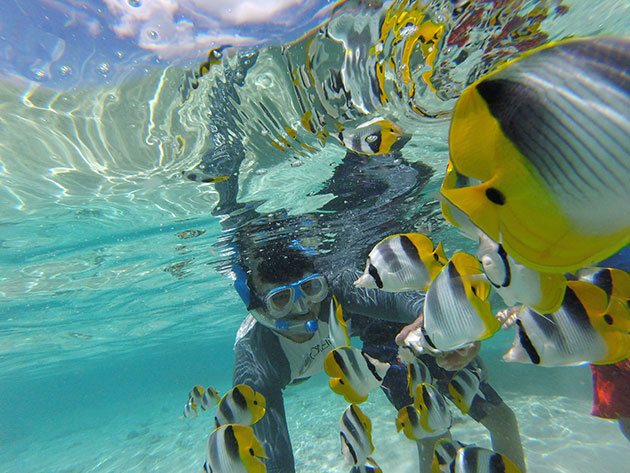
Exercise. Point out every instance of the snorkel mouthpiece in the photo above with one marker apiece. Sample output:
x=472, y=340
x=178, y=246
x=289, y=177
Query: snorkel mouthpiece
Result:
x=309, y=326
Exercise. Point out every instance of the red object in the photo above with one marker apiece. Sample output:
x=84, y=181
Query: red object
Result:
x=611, y=390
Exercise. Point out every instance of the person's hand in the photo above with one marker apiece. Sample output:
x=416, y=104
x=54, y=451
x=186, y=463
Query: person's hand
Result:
x=508, y=317
x=407, y=329
x=457, y=359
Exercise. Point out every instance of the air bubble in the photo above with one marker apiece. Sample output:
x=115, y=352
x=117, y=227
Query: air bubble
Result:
x=103, y=68
x=153, y=35
x=65, y=70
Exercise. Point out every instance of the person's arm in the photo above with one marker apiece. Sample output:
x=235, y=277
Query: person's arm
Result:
x=396, y=307
x=259, y=362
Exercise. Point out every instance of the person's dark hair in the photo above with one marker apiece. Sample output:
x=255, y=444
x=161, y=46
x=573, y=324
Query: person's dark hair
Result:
x=281, y=262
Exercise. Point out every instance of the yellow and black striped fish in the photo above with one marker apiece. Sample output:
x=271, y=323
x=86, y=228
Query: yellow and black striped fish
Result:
x=240, y=405
x=544, y=141
x=481, y=460
x=402, y=262
x=355, y=432
x=457, y=309
x=586, y=329
x=234, y=449
x=353, y=373
x=428, y=416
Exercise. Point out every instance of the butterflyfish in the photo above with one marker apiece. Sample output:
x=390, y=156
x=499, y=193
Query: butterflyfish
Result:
x=234, y=448
x=355, y=435
x=517, y=283
x=240, y=405
x=544, y=140
x=209, y=399
x=417, y=373
x=190, y=409
x=481, y=460
x=615, y=282
x=463, y=388
x=376, y=136
x=428, y=416
x=402, y=262
x=337, y=326
x=586, y=329
x=457, y=309
x=353, y=373
x=444, y=453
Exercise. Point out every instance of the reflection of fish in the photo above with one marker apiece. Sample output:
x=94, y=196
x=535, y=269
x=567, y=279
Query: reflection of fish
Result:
x=546, y=137
x=198, y=176
x=482, y=460
x=428, y=416
x=234, y=448
x=353, y=374
x=457, y=310
x=586, y=329
x=356, y=436
x=463, y=388
x=444, y=455
x=338, y=330
x=403, y=262
x=377, y=136
x=516, y=283
x=240, y=405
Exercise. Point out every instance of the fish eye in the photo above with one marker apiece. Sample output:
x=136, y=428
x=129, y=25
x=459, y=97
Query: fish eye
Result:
x=608, y=319
x=251, y=452
x=341, y=381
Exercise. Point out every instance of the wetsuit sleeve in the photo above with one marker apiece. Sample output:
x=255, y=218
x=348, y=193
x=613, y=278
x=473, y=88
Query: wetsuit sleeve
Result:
x=404, y=307
x=260, y=363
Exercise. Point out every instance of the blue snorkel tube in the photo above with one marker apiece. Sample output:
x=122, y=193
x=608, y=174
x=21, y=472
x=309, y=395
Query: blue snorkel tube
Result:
x=284, y=325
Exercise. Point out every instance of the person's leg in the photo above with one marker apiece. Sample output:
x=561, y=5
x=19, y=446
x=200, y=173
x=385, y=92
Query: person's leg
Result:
x=624, y=426
x=503, y=427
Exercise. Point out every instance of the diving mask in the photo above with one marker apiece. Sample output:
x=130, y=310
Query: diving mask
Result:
x=293, y=298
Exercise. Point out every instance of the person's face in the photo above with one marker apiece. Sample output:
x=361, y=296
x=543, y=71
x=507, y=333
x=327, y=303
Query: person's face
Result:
x=300, y=306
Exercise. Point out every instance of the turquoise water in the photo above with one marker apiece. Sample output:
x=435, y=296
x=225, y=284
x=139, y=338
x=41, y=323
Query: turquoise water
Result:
x=109, y=314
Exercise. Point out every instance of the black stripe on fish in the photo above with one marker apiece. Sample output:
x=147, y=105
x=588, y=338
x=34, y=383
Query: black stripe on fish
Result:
x=347, y=420
x=426, y=397
x=375, y=145
x=226, y=412
x=506, y=265
x=572, y=305
x=496, y=464
x=340, y=362
x=374, y=273
x=350, y=448
x=427, y=338
x=371, y=367
x=504, y=96
x=527, y=344
x=409, y=248
x=231, y=444
x=389, y=256
x=239, y=399
x=603, y=280
x=471, y=460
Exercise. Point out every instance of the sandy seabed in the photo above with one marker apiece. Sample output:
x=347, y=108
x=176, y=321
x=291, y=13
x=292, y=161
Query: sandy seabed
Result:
x=558, y=433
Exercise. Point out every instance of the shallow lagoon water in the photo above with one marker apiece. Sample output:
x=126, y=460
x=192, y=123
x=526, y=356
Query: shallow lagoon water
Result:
x=110, y=314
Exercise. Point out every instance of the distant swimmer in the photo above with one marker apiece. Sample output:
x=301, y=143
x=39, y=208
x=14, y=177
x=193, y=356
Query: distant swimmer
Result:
x=544, y=142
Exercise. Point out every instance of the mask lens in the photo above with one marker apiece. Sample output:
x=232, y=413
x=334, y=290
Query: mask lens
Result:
x=315, y=289
x=279, y=301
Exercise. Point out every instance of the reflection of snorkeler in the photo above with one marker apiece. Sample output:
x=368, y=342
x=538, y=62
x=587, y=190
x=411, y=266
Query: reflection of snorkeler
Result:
x=285, y=338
